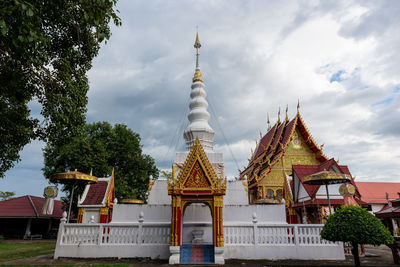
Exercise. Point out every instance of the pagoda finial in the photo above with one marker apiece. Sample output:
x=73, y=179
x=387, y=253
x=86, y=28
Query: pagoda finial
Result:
x=268, y=122
x=197, y=75
x=279, y=115
x=287, y=108
x=198, y=115
x=298, y=106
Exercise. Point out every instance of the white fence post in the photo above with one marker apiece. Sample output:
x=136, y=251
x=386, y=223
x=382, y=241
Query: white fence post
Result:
x=296, y=234
x=255, y=228
x=99, y=241
x=60, y=233
x=140, y=228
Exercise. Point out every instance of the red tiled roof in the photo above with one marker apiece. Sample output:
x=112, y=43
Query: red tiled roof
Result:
x=264, y=142
x=327, y=165
x=96, y=193
x=303, y=171
x=286, y=134
x=306, y=170
x=375, y=192
x=22, y=207
x=273, y=144
x=345, y=169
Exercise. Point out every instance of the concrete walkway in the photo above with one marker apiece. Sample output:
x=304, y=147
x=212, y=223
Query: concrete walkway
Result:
x=383, y=258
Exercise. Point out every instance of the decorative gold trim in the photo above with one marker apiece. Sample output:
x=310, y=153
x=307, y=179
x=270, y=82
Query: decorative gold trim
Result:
x=103, y=211
x=151, y=183
x=132, y=201
x=195, y=155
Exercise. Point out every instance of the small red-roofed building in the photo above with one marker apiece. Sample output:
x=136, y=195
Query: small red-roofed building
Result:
x=310, y=201
x=97, y=201
x=22, y=217
x=378, y=194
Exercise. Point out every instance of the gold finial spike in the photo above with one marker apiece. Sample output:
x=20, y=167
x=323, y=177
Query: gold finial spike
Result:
x=287, y=108
x=298, y=106
x=268, y=122
x=197, y=44
x=279, y=115
x=197, y=75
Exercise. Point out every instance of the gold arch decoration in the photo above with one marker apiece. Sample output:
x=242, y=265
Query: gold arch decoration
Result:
x=196, y=182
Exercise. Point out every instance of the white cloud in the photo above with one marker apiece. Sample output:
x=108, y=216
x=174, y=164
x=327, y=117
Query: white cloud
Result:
x=340, y=58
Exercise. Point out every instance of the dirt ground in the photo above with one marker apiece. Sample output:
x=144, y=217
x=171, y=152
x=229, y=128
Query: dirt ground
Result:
x=383, y=257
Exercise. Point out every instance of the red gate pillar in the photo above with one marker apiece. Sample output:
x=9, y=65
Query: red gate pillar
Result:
x=218, y=222
x=176, y=221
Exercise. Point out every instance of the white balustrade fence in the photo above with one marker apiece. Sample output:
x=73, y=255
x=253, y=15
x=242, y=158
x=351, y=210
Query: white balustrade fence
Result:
x=269, y=234
x=243, y=240
x=121, y=234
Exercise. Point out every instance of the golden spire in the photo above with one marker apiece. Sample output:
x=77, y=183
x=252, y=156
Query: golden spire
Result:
x=268, y=122
x=298, y=106
x=279, y=115
x=197, y=75
x=287, y=108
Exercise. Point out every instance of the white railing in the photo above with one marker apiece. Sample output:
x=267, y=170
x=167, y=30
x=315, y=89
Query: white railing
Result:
x=243, y=240
x=121, y=234
x=269, y=234
x=159, y=233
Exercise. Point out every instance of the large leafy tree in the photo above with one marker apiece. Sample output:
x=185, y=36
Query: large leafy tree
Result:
x=355, y=225
x=99, y=148
x=46, y=49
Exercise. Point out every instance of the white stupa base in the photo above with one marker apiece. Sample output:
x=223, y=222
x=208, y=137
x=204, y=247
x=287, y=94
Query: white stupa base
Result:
x=219, y=255
x=175, y=254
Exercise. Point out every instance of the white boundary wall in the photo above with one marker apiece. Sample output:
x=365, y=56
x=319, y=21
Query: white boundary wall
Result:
x=151, y=239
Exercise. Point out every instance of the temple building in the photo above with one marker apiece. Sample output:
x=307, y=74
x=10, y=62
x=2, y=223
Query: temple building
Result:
x=197, y=216
x=285, y=152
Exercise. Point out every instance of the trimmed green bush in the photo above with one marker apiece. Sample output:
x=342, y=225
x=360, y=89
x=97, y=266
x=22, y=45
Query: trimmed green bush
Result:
x=356, y=225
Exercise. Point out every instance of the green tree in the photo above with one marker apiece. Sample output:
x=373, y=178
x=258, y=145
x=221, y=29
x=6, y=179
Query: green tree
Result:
x=99, y=148
x=6, y=195
x=356, y=225
x=46, y=49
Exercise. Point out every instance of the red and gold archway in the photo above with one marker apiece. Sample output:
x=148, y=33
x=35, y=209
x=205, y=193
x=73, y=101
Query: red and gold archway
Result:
x=196, y=182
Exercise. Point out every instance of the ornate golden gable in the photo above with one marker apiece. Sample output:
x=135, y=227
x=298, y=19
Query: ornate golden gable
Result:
x=197, y=175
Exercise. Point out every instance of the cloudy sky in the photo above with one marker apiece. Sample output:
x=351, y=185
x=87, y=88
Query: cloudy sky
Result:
x=340, y=58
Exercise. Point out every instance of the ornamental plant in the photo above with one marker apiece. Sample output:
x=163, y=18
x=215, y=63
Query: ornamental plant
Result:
x=356, y=225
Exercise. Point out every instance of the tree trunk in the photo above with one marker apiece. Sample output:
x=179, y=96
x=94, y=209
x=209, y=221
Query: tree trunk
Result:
x=354, y=251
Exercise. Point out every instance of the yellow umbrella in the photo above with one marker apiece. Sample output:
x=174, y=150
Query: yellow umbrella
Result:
x=325, y=178
x=73, y=178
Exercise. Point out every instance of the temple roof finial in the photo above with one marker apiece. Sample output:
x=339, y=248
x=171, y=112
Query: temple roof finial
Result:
x=268, y=122
x=287, y=108
x=197, y=75
x=298, y=106
x=279, y=115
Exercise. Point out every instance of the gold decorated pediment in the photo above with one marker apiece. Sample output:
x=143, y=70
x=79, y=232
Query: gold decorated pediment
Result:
x=197, y=178
x=197, y=175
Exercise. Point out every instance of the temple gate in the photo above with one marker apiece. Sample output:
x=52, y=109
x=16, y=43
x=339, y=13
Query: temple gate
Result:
x=196, y=182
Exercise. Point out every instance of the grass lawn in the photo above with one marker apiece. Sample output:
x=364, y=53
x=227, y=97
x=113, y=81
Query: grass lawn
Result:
x=23, y=249
x=80, y=265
